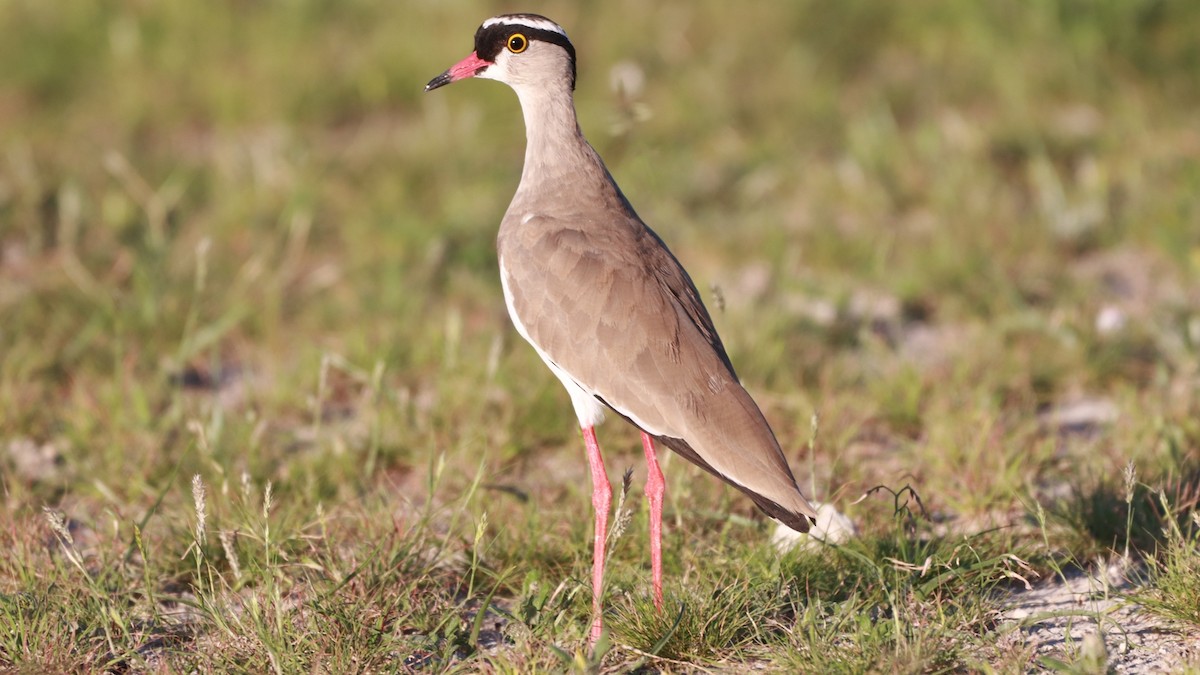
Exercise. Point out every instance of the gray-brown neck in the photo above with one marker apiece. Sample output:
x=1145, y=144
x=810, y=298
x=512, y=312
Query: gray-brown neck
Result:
x=560, y=165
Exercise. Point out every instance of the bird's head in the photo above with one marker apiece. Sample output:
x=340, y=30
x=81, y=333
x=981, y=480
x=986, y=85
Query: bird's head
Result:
x=520, y=50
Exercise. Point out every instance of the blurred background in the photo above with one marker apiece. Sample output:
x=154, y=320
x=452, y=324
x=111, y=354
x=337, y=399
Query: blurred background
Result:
x=996, y=200
x=237, y=239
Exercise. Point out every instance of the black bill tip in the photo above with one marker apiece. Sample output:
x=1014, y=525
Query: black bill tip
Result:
x=439, y=81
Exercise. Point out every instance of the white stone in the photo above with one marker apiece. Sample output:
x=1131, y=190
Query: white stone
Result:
x=832, y=527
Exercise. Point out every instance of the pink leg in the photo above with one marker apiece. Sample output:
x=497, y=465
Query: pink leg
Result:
x=655, y=487
x=601, y=502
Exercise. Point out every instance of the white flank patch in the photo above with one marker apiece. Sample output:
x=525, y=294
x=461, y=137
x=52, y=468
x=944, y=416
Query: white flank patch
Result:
x=519, y=20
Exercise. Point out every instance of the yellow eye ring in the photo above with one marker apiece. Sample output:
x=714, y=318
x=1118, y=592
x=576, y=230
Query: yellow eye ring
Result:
x=517, y=43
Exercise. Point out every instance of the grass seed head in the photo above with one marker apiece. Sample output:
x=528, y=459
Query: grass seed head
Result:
x=201, y=513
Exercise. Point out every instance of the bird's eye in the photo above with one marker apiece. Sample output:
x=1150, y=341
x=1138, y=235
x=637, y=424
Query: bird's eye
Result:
x=517, y=43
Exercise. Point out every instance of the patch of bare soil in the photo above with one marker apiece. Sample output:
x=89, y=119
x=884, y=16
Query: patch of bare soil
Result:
x=1088, y=617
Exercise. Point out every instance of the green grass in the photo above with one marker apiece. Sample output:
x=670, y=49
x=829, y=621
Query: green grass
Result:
x=237, y=242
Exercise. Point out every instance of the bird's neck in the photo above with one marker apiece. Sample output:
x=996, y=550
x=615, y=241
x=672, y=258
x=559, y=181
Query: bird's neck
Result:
x=556, y=153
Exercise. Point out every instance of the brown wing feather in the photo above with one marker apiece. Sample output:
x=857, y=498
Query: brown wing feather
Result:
x=676, y=281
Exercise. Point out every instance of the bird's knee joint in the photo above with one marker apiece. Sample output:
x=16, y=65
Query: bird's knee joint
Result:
x=654, y=490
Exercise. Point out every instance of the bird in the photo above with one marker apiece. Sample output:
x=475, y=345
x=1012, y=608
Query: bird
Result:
x=608, y=307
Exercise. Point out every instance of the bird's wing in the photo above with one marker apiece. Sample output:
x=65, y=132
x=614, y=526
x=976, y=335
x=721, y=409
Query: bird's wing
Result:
x=611, y=307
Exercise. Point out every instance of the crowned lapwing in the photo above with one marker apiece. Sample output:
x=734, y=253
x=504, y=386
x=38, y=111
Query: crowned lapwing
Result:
x=608, y=307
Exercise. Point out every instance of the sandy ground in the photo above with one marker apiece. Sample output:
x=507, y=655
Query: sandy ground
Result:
x=1089, y=618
